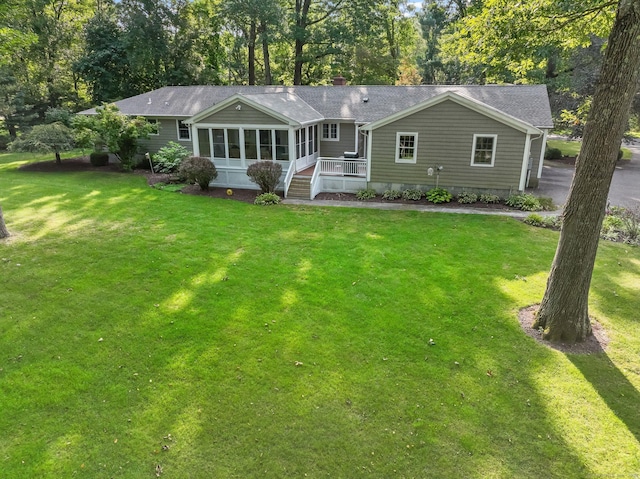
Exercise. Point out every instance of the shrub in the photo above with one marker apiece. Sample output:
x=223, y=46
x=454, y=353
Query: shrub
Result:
x=611, y=223
x=465, y=197
x=524, y=202
x=169, y=157
x=552, y=154
x=534, y=219
x=266, y=174
x=99, y=158
x=197, y=169
x=438, y=195
x=391, y=195
x=553, y=222
x=546, y=203
x=267, y=199
x=489, y=199
x=413, y=194
x=620, y=153
x=366, y=194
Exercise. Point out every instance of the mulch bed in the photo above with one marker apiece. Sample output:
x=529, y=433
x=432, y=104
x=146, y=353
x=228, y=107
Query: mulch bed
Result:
x=421, y=201
x=594, y=344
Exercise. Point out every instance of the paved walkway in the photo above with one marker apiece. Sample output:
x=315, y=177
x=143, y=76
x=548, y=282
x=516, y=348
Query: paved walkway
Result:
x=374, y=205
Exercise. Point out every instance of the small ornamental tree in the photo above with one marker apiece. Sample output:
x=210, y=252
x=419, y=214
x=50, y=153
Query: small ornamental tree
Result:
x=266, y=174
x=51, y=138
x=115, y=130
x=197, y=169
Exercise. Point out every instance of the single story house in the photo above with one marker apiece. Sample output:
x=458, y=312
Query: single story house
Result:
x=340, y=138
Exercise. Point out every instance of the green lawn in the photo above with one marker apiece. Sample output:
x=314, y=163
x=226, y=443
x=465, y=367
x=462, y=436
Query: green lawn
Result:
x=293, y=341
x=572, y=148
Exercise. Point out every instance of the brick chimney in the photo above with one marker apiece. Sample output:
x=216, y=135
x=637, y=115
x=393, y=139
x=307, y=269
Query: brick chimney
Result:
x=339, y=81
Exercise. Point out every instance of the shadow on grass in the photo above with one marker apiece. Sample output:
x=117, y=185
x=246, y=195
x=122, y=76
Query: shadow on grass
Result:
x=613, y=386
x=206, y=309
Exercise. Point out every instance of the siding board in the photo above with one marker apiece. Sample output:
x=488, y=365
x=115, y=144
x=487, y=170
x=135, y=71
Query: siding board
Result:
x=445, y=137
x=347, y=142
x=167, y=131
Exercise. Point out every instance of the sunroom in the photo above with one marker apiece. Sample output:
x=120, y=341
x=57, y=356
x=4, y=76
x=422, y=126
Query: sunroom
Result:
x=277, y=127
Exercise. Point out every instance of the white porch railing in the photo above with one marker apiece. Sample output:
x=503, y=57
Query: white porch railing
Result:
x=315, y=186
x=342, y=167
x=287, y=179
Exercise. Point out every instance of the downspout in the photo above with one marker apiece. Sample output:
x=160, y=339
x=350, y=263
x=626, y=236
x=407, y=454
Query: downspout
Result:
x=525, y=163
x=542, y=150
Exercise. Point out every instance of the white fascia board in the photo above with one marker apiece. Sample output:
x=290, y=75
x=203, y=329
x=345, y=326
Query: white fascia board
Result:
x=465, y=101
x=242, y=99
x=525, y=163
x=542, y=150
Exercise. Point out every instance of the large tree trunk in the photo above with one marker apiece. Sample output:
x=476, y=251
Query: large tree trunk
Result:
x=265, y=54
x=300, y=34
x=564, y=314
x=58, y=159
x=252, y=52
x=4, y=233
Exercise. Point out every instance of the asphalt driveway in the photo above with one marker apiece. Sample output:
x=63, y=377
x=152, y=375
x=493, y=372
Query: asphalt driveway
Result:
x=625, y=186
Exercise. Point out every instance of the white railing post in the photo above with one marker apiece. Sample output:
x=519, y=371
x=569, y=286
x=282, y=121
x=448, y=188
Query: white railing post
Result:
x=287, y=179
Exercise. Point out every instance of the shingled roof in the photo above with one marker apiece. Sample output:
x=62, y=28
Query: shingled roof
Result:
x=362, y=104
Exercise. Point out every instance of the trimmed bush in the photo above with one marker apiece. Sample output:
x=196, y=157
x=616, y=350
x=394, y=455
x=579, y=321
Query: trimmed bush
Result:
x=266, y=174
x=169, y=157
x=552, y=154
x=546, y=203
x=489, y=199
x=524, y=202
x=466, y=198
x=412, y=194
x=267, y=199
x=99, y=158
x=366, y=194
x=197, y=169
x=439, y=195
x=391, y=195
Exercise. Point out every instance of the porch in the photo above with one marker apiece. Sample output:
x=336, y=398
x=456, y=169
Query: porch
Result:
x=339, y=175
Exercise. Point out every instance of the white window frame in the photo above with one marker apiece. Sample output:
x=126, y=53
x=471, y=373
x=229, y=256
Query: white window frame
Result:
x=415, y=147
x=178, y=130
x=493, y=153
x=330, y=138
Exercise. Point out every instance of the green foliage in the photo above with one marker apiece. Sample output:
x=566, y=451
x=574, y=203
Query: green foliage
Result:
x=467, y=197
x=266, y=174
x=197, y=169
x=439, y=195
x=488, y=199
x=391, y=195
x=546, y=203
x=413, y=194
x=524, y=202
x=99, y=158
x=169, y=157
x=534, y=219
x=366, y=194
x=52, y=137
x=265, y=199
x=621, y=224
x=111, y=128
x=551, y=222
x=552, y=154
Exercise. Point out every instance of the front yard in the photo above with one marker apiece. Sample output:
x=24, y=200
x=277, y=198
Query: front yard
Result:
x=141, y=328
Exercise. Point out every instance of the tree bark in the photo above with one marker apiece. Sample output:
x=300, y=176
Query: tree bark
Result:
x=58, y=159
x=564, y=312
x=252, y=52
x=268, y=80
x=4, y=233
x=300, y=32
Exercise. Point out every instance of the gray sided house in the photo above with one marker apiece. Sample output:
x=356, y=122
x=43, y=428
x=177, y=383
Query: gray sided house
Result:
x=344, y=138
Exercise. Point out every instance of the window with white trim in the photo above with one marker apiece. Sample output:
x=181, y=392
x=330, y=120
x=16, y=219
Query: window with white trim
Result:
x=406, y=147
x=330, y=131
x=184, y=132
x=484, y=150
